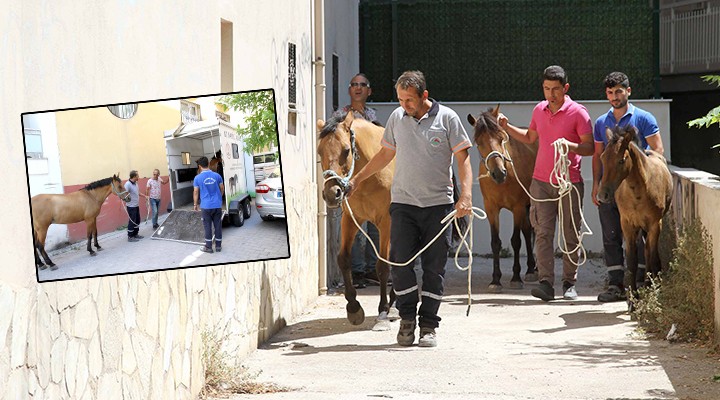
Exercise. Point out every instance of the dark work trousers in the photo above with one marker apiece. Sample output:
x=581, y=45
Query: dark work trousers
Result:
x=613, y=245
x=411, y=229
x=212, y=218
x=133, y=221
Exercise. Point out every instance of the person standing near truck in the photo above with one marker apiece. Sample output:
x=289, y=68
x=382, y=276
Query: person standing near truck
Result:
x=208, y=189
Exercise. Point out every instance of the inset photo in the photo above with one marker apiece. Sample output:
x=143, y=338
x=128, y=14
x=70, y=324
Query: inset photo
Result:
x=155, y=185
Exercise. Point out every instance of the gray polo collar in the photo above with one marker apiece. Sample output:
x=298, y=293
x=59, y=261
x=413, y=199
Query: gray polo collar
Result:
x=431, y=112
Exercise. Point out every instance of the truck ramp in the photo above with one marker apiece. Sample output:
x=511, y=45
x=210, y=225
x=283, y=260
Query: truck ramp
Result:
x=182, y=226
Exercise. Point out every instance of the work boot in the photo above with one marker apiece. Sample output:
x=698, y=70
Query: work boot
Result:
x=406, y=333
x=613, y=293
x=133, y=239
x=428, y=337
x=544, y=291
x=206, y=249
x=569, y=292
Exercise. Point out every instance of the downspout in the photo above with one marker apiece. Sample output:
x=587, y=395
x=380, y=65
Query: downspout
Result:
x=319, y=66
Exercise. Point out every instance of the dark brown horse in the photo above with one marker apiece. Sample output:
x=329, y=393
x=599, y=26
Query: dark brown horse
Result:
x=347, y=144
x=83, y=205
x=642, y=186
x=500, y=189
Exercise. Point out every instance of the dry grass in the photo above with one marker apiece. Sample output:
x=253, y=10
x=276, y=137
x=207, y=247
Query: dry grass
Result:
x=683, y=295
x=223, y=374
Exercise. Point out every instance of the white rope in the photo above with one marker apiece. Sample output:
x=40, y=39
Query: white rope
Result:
x=448, y=220
x=561, y=173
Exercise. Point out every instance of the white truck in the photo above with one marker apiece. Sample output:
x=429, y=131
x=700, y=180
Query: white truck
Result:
x=187, y=144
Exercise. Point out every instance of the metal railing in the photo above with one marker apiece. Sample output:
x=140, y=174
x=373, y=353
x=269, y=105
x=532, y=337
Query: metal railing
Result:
x=690, y=41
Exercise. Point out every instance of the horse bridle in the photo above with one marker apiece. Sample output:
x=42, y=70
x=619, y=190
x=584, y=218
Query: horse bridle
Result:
x=505, y=156
x=119, y=194
x=329, y=174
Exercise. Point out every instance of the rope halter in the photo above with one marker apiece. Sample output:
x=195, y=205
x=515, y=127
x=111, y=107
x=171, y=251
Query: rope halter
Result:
x=124, y=196
x=329, y=174
x=505, y=155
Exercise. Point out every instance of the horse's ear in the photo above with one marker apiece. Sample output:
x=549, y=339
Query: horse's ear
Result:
x=471, y=119
x=349, y=119
x=496, y=111
x=320, y=124
x=629, y=134
x=609, y=134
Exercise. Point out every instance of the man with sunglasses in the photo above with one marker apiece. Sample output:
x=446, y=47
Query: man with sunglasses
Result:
x=362, y=261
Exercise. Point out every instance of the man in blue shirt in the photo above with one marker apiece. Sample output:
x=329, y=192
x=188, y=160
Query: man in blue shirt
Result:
x=207, y=196
x=622, y=113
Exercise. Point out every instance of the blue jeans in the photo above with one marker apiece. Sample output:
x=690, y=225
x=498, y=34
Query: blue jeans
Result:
x=364, y=261
x=155, y=204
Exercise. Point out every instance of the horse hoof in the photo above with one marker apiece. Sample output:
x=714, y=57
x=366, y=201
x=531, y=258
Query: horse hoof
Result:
x=53, y=267
x=383, y=316
x=531, y=277
x=381, y=325
x=495, y=288
x=98, y=248
x=355, y=317
x=393, y=314
x=516, y=285
x=93, y=254
x=43, y=266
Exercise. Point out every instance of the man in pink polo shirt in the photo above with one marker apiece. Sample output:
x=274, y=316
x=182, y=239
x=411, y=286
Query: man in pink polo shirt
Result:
x=558, y=117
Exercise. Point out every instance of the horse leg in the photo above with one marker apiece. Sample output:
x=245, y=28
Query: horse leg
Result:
x=516, y=281
x=42, y=235
x=89, y=234
x=631, y=258
x=355, y=312
x=496, y=245
x=383, y=272
x=528, y=233
x=38, y=262
x=97, y=245
x=652, y=256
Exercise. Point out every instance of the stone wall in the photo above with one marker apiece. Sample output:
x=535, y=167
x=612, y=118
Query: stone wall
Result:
x=139, y=336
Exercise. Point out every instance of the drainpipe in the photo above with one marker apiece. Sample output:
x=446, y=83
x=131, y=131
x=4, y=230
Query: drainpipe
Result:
x=319, y=66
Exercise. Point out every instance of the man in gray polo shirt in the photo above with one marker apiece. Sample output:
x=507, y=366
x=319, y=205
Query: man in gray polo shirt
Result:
x=422, y=136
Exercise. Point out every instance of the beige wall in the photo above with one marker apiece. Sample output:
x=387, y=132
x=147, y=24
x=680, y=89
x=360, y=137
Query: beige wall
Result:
x=137, y=336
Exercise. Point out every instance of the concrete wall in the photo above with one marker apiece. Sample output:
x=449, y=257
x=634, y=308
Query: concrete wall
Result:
x=696, y=196
x=519, y=114
x=138, y=336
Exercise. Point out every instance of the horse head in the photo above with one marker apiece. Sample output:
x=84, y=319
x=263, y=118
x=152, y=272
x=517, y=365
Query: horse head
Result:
x=118, y=189
x=337, y=152
x=490, y=139
x=616, y=160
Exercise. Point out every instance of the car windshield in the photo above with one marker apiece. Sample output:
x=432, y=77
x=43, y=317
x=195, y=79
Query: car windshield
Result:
x=275, y=173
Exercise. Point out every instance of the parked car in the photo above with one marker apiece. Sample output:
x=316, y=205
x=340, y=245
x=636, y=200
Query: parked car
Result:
x=269, y=202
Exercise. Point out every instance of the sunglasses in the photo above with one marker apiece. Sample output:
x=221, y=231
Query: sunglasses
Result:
x=356, y=84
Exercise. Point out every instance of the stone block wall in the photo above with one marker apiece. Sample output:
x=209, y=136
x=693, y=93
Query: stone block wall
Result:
x=139, y=336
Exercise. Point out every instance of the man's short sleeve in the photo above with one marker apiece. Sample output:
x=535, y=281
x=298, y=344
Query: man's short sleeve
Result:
x=457, y=135
x=647, y=126
x=599, y=130
x=583, y=122
x=388, y=139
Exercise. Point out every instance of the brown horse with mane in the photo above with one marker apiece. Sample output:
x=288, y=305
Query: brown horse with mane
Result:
x=642, y=186
x=500, y=189
x=83, y=205
x=345, y=146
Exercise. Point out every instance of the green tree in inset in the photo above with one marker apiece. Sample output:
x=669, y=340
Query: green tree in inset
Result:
x=260, y=131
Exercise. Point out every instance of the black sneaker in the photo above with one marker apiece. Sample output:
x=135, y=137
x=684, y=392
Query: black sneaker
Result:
x=133, y=239
x=612, y=294
x=406, y=333
x=156, y=226
x=138, y=237
x=358, y=279
x=206, y=249
x=218, y=249
x=544, y=291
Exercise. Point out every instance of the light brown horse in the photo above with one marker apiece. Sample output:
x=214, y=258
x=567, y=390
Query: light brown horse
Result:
x=83, y=205
x=500, y=189
x=642, y=186
x=347, y=144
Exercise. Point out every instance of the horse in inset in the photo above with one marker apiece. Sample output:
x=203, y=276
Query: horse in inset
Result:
x=346, y=145
x=83, y=205
x=500, y=189
x=642, y=186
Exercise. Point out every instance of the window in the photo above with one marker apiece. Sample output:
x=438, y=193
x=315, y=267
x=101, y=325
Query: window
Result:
x=185, y=158
x=124, y=111
x=292, y=71
x=335, y=82
x=33, y=143
x=189, y=112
